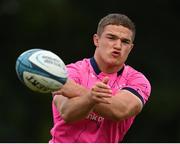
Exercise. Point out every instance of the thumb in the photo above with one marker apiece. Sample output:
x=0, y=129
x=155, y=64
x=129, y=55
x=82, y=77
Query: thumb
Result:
x=105, y=80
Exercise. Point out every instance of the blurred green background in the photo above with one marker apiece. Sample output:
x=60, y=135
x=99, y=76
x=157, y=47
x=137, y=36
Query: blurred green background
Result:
x=66, y=27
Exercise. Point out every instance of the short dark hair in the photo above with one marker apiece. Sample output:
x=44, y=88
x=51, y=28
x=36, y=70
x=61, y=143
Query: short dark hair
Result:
x=116, y=19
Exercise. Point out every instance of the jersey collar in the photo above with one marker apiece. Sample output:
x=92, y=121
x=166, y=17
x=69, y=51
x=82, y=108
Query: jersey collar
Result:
x=98, y=71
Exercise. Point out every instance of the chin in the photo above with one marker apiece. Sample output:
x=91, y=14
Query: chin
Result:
x=113, y=62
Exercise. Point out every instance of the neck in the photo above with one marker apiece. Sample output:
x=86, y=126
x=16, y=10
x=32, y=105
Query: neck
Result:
x=107, y=68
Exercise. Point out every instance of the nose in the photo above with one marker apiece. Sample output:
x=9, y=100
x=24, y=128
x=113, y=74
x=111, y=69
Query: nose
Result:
x=118, y=44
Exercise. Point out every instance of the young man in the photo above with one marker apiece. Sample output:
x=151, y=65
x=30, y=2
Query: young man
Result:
x=102, y=96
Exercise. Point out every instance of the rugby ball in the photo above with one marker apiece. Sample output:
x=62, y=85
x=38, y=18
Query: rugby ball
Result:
x=41, y=70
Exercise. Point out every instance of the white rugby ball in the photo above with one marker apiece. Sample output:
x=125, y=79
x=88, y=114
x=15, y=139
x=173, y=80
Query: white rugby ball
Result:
x=41, y=70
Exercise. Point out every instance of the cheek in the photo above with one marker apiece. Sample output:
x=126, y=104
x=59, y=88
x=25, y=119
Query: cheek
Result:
x=103, y=46
x=127, y=50
x=106, y=43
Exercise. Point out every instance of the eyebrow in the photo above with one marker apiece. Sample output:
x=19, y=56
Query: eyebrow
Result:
x=112, y=35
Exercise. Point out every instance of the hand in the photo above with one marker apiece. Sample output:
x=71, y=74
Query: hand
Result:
x=101, y=91
x=71, y=89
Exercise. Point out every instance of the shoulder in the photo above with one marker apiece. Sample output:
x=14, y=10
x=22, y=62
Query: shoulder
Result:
x=77, y=70
x=79, y=64
x=138, y=81
x=132, y=74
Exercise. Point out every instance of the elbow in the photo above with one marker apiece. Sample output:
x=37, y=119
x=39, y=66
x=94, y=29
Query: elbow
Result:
x=123, y=113
x=118, y=116
x=65, y=115
x=66, y=118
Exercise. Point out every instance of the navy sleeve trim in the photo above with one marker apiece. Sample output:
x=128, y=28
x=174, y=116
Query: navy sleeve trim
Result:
x=135, y=92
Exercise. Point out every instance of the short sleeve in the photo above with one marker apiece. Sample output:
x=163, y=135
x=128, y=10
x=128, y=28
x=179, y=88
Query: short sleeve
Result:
x=139, y=85
x=73, y=70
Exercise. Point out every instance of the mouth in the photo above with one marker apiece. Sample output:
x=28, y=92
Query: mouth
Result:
x=116, y=53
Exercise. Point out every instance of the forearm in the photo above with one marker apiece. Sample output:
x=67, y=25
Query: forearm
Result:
x=79, y=101
x=109, y=111
x=74, y=109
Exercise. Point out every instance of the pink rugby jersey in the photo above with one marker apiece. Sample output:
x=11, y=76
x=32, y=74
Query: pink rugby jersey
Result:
x=94, y=128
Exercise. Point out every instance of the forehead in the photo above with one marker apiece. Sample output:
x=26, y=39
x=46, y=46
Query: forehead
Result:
x=118, y=30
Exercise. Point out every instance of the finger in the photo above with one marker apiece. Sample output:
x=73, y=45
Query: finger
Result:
x=100, y=100
x=102, y=90
x=102, y=85
x=105, y=80
x=101, y=95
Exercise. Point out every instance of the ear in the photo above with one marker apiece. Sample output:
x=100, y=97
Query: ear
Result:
x=96, y=40
x=132, y=45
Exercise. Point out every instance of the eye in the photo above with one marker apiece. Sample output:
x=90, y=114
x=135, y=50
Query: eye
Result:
x=112, y=37
x=125, y=41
